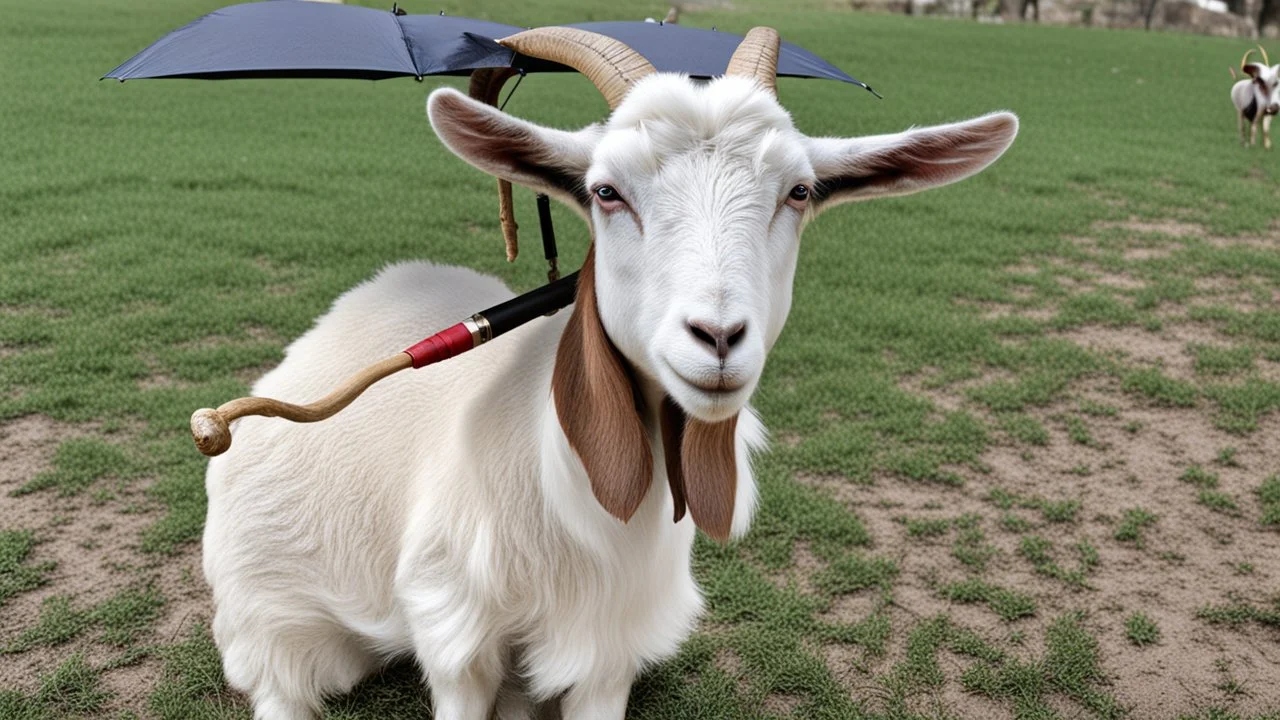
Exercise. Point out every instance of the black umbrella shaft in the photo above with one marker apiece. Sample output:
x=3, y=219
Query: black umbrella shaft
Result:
x=533, y=304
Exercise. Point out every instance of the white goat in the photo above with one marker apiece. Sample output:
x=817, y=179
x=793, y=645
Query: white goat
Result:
x=1256, y=99
x=500, y=517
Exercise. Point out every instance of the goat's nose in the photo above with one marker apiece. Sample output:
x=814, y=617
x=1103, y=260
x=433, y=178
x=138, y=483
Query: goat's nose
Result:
x=720, y=338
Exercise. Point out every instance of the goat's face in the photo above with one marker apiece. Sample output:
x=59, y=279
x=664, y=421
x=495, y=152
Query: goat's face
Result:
x=1264, y=82
x=697, y=197
x=696, y=194
x=1266, y=87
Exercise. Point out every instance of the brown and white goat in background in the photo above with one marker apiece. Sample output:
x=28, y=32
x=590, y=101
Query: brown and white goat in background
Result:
x=506, y=519
x=1257, y=99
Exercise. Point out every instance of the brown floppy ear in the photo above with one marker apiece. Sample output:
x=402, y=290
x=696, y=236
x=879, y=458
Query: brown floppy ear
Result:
x=598, y=406
x=702, y=468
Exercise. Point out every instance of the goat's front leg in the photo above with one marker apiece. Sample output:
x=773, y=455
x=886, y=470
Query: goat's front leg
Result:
x=1244, y=139
x=1266, y=131
x=596, y=701
x=1253, y=131
x=466, y=695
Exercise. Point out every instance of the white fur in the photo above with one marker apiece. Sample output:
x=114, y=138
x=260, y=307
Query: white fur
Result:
x=443, y=515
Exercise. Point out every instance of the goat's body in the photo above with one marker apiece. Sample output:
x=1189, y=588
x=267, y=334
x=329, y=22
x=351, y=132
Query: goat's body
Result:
x=1249, y=114
x=444, y=516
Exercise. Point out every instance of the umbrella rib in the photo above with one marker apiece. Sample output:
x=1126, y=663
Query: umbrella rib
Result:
x=408, y=47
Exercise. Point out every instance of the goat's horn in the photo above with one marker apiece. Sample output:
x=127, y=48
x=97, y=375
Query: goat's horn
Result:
x=486, y=84
x=1265, y=59
x=609, y=64
x=1245, y=60
x=757, y=57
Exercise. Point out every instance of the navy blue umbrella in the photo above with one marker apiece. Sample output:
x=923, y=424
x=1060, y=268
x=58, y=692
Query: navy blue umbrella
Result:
x=291, y=38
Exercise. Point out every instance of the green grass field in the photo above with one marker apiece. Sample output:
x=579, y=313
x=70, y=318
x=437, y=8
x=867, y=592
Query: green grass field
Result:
x=1026, y=459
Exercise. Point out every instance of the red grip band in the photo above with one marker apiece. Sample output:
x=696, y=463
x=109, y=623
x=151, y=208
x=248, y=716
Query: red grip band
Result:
x=441, y=346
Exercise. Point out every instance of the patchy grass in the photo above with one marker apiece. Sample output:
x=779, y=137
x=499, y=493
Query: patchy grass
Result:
x=1008, y=604
x=1218, y=360
x=1217, y=501
x=1132, y=524
x=1161, y=389
x=1238, y=612
x=73, y=690
x=16, y=574
x=1269, y=497
x=1199, y=477
x=1069, y=667
x=1141, y=629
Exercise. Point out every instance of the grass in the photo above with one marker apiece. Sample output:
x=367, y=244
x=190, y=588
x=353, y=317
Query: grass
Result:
x=1009, y=605
x=16, y=574
x=1141, y=629
x=1199, y=477
x=1132, y=525
x=1269, y=497
x=164, y=241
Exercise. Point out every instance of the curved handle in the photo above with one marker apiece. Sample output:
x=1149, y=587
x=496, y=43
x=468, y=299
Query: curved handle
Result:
x=211, y=429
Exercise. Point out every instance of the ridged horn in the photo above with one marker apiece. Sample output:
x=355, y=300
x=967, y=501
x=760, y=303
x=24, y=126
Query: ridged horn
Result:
x=757, y=57
x=1265, y=59
x=609, y=64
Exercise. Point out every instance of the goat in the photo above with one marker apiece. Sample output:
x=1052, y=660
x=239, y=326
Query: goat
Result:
x=1257, y=98
x=502, y=518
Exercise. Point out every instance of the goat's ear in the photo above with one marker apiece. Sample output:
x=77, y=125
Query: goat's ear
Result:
x=1252, y=69
x=543, y=159
x=598, y=406
x=904, y=163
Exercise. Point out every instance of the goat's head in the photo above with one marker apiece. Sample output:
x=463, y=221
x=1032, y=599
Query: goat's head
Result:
x=1266, y=82
x=696, y=194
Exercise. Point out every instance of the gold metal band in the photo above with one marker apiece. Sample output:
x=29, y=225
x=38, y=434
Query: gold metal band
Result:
x=481, y=330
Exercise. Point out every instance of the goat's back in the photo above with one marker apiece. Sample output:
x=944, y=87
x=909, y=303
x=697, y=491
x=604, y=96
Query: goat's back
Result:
x=318, y=511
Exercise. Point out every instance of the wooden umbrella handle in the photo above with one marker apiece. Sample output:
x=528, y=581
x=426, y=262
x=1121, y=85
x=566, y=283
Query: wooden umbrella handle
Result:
x=211, y=428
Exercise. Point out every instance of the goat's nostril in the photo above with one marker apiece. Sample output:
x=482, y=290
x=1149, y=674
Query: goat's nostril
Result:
x=736, y=333
x=720, y=339
x=703, y=333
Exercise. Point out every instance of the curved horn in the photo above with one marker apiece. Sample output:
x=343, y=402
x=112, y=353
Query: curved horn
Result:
x=757, y=57
x=486, y=84
x=1265, y=59
x=1244, y=61
x=609, y=64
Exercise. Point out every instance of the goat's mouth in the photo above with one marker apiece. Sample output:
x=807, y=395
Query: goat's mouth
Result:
x=721, y=385
x=710, y=396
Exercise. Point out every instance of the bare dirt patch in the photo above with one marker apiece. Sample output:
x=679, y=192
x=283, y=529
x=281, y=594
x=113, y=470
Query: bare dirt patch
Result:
x=1167, y=348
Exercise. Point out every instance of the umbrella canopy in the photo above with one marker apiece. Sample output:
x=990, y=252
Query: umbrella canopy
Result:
x=290, y=39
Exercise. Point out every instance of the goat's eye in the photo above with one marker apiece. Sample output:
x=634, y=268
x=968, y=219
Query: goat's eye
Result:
x=798, y=197
x=606, y=194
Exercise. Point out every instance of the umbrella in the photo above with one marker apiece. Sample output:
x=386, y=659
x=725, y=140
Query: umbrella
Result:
x=290, y=39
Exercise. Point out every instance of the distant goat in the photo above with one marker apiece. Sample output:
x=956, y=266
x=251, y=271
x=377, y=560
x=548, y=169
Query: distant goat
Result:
x=1256, y=99
x=515, y=519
